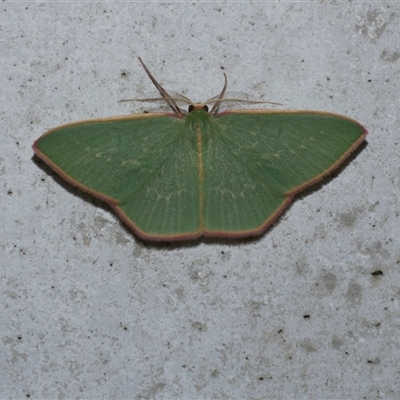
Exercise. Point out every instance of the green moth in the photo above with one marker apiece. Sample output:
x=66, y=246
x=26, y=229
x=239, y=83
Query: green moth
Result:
x=181, y=175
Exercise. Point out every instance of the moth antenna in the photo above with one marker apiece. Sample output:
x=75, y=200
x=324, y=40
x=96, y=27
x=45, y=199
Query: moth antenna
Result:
x=216, y=105
x=164, y=94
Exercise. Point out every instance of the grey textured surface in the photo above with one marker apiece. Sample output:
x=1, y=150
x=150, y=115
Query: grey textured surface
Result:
x=90, y=311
